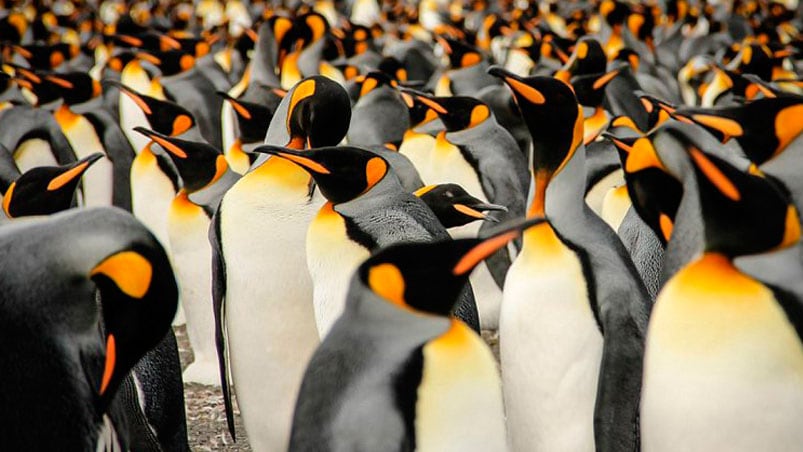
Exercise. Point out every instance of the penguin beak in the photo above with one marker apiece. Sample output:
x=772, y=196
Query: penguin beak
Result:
x=74, y=171
x=66, y=84
x=168, y=43
x=133, y=95
x=518, y=85
x=144, y=56
x=493, y=243
x=238, y=107
x=162, y=141
x=302, y=158
x=607, y=77
x=425, y=99
x=475, y=210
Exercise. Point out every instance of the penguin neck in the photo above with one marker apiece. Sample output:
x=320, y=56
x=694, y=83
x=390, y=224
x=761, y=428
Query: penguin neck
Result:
x=562, y=198
x=381, y=193
x=281, y=173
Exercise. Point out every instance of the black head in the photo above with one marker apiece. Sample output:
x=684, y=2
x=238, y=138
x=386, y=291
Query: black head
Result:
x=342, y=173
x=45, y=190
x=553, y=117
x=74, y=87
x=172, y=62
x=429, y=277
x=590, y=89
x=319, y=112
x=48, y=57
x=658, y=111
x=743, y=213
x=393, y=68
x=164, y=116
x=418, y=111
x=587, y=58
x=629, y=56
x=456, y=112
x=655, y=194
x=253, y=119
x=454, y=206
x=763, y=128
x=147, y=41
x=374, y=80
x=311, y=27
x=199, y=164
x=461, y=54
x=753, y=59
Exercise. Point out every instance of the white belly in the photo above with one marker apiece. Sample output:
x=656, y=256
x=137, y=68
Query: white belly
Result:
x=33, y=153
x=459, y=406
x=722, y=371
x=151, y=195
x=332, y=259
x=98, y=179
x=487, y=293
x=188, y=229
x=269, y=316
x=551, y=349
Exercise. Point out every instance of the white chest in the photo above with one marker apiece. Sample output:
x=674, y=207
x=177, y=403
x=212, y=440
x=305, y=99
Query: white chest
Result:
x=97, y=180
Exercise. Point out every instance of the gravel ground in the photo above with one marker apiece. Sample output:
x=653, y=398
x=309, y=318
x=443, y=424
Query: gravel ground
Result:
x=206, y=417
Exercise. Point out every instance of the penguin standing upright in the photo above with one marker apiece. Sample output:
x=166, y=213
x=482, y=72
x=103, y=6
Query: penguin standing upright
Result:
x=379, y=116
x=85, y=294
x=367, y=208
x=395, y=370
x=205, y=177
x=478, y=154
x=262, y=292
x=723, y=365
x=574, y=310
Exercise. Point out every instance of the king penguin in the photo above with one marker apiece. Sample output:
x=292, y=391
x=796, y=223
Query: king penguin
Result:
x=575, y=387
x=408, y=375
x=723, y=365
x=367, y=208
x=262, y=292
x=205, y=177
x=454, y=206
x=478, y=154
x=85, y=294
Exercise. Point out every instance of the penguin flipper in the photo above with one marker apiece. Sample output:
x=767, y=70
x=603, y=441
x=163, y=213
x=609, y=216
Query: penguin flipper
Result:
x=499, y=262
x=616, y=414
x=218, y=306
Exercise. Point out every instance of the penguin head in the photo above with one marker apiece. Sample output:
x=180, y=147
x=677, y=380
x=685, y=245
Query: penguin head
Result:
x=743, y=212
x=753, y=58
x=318, y=114
x=553, y=117
x=763, y=128
x=461, y=54
x=629, y=56
x=284, y=32
x=393, y=68
x=587, y=58
x=311, y=27
x=199, y=164
x=456, y=112
x=164, y=116
x=171, y=62
x=45, y=190
x=253, y=119
x=658, y=111
x=418, y=111
x=428, y=277
x=655, y=193
x=148, y=41
x=454, y=206
x=374, y=80
x=139, y=297
x=75, y=87
x=342, y=173
x=590, y=89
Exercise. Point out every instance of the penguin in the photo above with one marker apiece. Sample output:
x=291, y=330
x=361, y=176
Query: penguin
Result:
x=477, y=153
x=134, y=76
x=367, y=208
x=726, y=345
x=206, y=177
x=252, y=121
x=467, y=70
x=77, y=88
x=45, y=190
x=380, y=115
x=399, y=364
x=154, y=181
x=454, y=206
x=78, y=313
x=34, y=138
x=572, y=270
x=262, y=293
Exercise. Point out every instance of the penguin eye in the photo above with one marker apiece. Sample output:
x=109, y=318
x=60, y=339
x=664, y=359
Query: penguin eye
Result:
x=449, y=194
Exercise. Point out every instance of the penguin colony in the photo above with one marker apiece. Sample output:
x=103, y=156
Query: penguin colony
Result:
x=336, y=197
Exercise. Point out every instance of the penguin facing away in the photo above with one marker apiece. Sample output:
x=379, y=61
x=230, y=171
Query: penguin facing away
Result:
x=572, y=270
x=395, y=369
x=367, y=209
x=727, y=344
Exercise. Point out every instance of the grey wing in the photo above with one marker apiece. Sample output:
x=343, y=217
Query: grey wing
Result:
x=219, y=308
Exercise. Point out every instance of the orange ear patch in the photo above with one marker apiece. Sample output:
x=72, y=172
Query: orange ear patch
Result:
x=666, y=226
x=181, y=124
x=108, y=368
x=375, y=170
x=792, y=230
x=479, y=114
x=470, y=59
x=368, y=85
x=387, y=281
x=714, y=175
x=788, y=125
x=7, y=198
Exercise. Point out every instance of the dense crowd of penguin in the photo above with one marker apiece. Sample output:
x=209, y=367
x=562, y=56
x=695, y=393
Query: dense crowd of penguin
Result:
x=336, y=197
